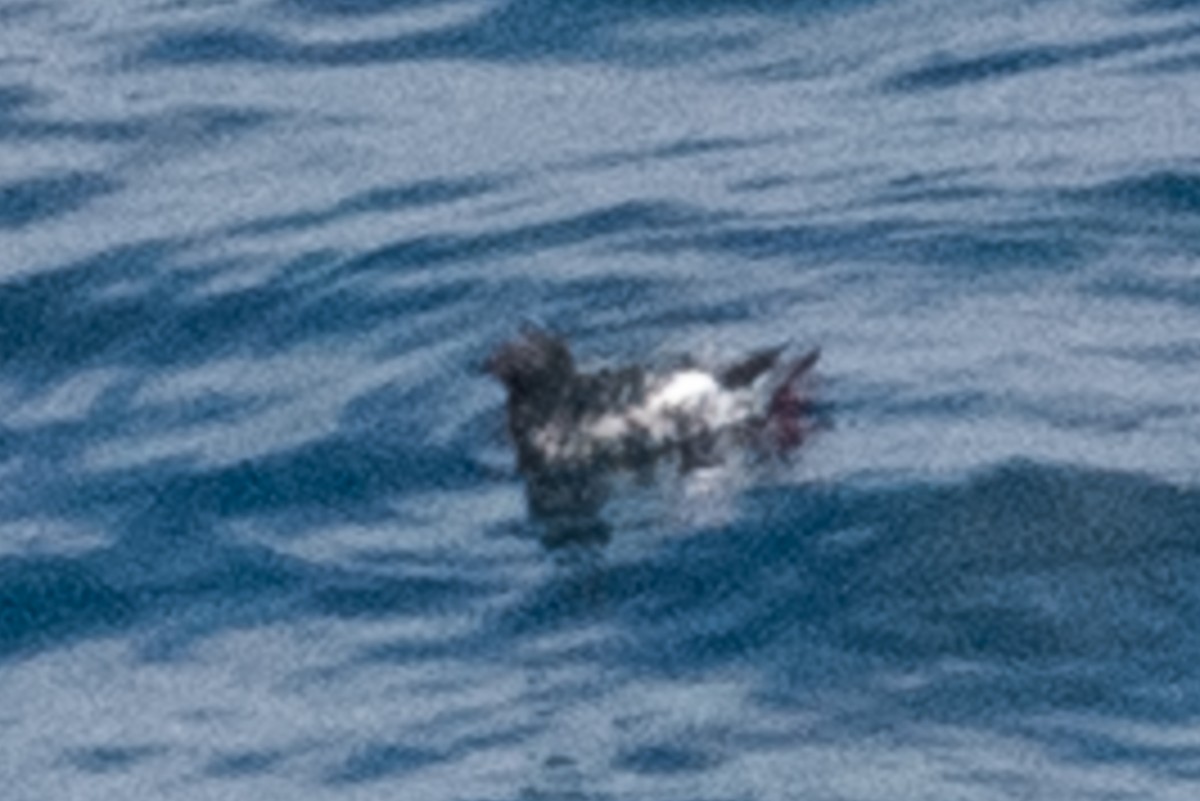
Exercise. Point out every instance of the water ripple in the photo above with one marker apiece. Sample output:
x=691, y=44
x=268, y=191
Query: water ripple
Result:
x=42, y=198
x=948, y=73
x=260, y=527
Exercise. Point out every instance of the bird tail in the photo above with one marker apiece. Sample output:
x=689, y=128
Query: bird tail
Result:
x=788, y=407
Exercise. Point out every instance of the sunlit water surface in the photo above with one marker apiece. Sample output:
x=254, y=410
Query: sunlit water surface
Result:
x=261, y=536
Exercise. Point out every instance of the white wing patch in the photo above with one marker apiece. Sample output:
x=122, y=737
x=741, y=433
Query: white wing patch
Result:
x=609, y=426
x=684, y=404
x=687, y=391
x=692, y=398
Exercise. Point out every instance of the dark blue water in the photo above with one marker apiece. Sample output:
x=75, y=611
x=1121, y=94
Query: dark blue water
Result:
x=261, y=536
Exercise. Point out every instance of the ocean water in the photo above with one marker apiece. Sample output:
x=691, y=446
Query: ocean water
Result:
x=261, y=535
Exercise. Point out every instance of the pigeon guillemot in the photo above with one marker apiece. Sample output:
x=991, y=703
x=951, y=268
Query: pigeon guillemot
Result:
x=562, y=418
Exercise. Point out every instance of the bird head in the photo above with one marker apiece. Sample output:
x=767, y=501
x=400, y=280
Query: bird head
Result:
x=535, y=363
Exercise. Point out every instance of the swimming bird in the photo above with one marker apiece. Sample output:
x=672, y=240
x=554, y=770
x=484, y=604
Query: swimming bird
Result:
x=561, y=418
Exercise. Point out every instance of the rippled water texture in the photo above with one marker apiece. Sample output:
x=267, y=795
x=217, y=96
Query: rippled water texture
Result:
x=261, y=536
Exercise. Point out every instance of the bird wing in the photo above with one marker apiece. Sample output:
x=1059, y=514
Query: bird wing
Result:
x=748, y=370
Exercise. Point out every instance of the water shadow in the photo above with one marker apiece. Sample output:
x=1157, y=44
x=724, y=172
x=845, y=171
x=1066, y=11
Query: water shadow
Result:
x=1035, y=244
x=1169, y=192
x=49, y=601
x=1158, y=208
x=665, y=759
x=180, y=129
x=516, y=31
x=15, y=97
x=165, y=524
x=375, y=762
x=628, y=219
x=171, y=547
x=36, y=200
x=354, y=8
x=947, y=72
x=1090, y=748
x=130, y=307
x=242, y=764
x=402, y=197
x=1023, y=593
x=1162, y=6
x=21, y=8
x=685, y=148
x=112, y=759
x=1174, y=64
x=381, y=760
